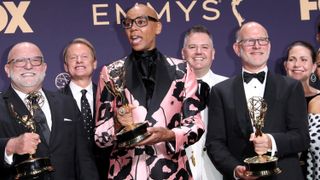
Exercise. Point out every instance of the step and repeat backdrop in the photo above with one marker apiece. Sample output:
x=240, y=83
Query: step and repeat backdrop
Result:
x=52, y=24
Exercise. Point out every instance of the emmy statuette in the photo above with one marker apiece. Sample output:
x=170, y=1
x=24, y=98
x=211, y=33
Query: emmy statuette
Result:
x=261, y=165
x=33, y=167
x=130, y=133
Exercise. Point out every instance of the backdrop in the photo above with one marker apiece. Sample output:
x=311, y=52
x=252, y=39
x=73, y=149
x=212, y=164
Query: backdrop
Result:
x=52, y=24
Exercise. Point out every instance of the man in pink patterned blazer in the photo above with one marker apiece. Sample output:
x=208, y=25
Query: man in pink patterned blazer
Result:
x=160, y=91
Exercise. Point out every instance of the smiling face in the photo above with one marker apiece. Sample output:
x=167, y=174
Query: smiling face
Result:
x=299, y=64
x=79, y=61
x=199, y=52
x=254, y=55
x=143, y=38
x=27, y=78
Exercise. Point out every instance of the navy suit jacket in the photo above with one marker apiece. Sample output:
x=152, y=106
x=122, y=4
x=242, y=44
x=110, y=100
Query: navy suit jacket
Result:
x=67, y=150
x=229, y=125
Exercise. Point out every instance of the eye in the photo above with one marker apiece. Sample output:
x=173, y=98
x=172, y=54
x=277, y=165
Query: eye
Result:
x=205, y=47
x=191, y=46
x=140, y=22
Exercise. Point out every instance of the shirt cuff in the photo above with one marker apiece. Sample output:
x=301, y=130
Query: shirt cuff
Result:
x=8, y=158
x=274, y=148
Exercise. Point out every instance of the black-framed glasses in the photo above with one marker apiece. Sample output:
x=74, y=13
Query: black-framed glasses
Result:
x=140, y=21
x=22, y=61
x=252, y=42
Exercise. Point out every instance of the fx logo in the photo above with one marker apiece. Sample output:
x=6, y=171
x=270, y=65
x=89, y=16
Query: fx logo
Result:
x=17, y=19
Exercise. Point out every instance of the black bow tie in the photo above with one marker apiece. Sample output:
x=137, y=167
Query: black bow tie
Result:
x=248, y=76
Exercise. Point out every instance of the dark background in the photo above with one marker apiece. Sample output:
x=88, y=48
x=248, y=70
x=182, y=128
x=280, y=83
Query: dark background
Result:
x=55, y=23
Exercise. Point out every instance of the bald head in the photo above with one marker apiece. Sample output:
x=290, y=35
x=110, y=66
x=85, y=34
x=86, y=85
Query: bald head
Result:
x=144, y=9
x=24, y=49
x=141, y=27
x=250, y=26
x=25, y=67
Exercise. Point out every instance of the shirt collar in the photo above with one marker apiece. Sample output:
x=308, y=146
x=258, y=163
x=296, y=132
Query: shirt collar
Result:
x=77, y=89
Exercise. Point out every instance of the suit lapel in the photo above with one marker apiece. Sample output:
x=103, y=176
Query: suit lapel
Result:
x=134, y=82
x=53, y=104
x=164, y=77
x=241, y=107
x=12, y=97
x=94, y=89
x=270, y=95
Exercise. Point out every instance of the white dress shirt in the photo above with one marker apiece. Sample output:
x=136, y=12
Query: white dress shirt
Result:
x=203, y=168
x=45, y=108
x=256, y=88
x=76, y=93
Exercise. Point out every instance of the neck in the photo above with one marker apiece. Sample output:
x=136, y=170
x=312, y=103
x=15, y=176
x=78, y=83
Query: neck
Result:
x=200, y=73
x=308, y=90
x=82, y=82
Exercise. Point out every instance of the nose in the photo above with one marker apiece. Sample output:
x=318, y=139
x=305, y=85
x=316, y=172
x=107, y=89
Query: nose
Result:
x=198, y=50
x=28, y=64
x=256, y=45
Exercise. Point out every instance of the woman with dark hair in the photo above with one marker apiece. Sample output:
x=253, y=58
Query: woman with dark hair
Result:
x=300, y=65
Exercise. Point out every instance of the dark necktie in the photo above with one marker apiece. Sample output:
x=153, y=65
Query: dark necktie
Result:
x=203, y=94
x=86, y=115
x=38, y=115
x=247, y=77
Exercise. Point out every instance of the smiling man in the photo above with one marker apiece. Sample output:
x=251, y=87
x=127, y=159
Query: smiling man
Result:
x=198, y=50
x=58, y=127
x=80, y=61
x=162, y=91
x=231, y=136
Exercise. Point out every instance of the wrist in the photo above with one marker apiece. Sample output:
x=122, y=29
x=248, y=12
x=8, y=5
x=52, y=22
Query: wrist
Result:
x=10, y=147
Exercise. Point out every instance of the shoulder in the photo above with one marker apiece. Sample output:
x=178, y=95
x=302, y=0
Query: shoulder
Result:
x=58, y=96
x=314, y=105
x=284, y=82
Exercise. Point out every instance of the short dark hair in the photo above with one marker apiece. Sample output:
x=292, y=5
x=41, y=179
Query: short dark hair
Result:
x=304, y=44
x=197, y=29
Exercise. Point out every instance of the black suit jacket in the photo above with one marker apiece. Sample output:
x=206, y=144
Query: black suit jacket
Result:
x=229, y=125
x=67, y=149
x=67, y=91
x=101, y=154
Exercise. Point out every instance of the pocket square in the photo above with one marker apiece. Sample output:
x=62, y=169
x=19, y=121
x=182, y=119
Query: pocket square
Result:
x=66, y=119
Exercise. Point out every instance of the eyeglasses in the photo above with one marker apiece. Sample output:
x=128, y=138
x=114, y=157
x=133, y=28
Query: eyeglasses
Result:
x=140, y=21
x=21, y=62
x=252, y=42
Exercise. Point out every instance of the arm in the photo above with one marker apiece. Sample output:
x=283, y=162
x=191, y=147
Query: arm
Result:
x=216, y=141
x=105, y=131
x=191, y=127
x=295, y=137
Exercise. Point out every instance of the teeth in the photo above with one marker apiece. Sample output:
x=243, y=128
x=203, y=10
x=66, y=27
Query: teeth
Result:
x=27, y=74
x=80, y=67
x=199, y=58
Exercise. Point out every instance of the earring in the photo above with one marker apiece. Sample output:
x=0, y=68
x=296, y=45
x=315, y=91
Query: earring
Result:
x=313, y=77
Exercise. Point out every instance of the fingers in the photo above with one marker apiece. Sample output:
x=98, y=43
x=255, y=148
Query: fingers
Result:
x=261, y=143
x=241, y=172
x=27, y=143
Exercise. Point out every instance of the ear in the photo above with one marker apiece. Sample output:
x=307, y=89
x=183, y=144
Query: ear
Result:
x=236, y=48
x=314, y=67
x=95, y=63
x=158, y=28
x=7, y=69
x=182, y=54
x=285, y=66
x=213, y=53
x=65, y=67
